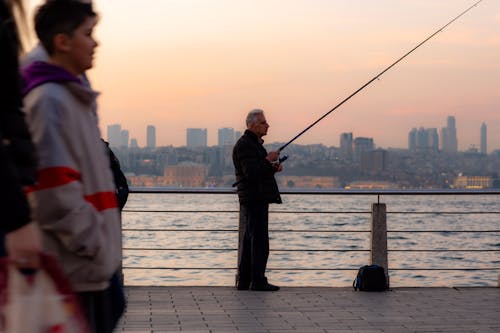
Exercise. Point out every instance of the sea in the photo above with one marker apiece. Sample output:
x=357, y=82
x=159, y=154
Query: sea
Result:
x=190, y=239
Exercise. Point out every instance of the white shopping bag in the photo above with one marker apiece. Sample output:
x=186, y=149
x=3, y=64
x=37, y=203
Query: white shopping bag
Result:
x=41, y=302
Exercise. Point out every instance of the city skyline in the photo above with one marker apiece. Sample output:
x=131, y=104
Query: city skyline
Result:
x=195, y=63
x=421, y=137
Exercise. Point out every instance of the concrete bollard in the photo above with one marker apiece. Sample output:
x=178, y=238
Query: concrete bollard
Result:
x=379, y=238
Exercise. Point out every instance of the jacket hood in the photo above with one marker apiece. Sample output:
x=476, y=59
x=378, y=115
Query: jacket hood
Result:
x=41, y=72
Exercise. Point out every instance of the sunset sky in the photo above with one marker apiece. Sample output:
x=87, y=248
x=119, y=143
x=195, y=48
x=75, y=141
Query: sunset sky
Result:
x=205, y=63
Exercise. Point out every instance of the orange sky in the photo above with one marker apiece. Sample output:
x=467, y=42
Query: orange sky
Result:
x=204, y=63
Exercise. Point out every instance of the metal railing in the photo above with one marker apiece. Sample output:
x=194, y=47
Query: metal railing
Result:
x=376, y=194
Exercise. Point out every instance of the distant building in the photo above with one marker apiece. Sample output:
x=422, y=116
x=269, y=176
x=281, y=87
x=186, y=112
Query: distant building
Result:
x=433, y=137
x=374, y=161
x=346, y=145
x=484, y=141
x=423, y=139
x=225, y=137
x=115, y=135
x=473, y=182
x=143, y=180
x=237, y=135
x=151, y=136
x=368, y=185
x=412, y=139
x=133, y=143
x=185, y=175
x=124, y=138
x=324, y=182
x=362, y=145
x=196, y=137
x=449, y=141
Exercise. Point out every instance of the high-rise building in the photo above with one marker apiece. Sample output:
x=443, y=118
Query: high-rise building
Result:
x=237, y=135
x=423, y=139
x=225, y=137
x=124, y=137
x=115, y=135
x=346, y=145
x=453, y=134
x=449, y=141
x=196, y=137
x=362, y=145
x=433, y=137
x=133, y=143
x=412, y=139
x=484, y=141
x=151, y=136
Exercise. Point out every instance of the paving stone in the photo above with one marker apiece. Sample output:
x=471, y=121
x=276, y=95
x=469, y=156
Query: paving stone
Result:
x=310, y=310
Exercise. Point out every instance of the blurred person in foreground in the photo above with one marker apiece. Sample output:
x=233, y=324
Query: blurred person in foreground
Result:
x=118, y=303
x=17, y=154
x=74, y=201
x=257, y=188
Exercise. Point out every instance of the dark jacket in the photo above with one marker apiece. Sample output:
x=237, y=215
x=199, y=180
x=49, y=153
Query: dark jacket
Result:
x=119, y=178
x=254, y=173
x=17, y=153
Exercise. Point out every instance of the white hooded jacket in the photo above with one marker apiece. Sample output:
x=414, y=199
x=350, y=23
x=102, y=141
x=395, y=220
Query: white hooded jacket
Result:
x=74, y=201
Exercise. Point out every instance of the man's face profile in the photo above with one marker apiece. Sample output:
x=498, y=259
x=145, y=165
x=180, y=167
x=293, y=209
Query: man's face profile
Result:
x=260, y=125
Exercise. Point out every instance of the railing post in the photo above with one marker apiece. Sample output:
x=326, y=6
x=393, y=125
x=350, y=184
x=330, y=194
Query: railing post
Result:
x=379, y=238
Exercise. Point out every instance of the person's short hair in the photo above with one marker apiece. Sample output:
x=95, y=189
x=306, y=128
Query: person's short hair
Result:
x=60, y=16
x=252, y=116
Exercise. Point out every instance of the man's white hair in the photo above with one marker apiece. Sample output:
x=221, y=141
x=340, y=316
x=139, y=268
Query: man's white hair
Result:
x=252, y=116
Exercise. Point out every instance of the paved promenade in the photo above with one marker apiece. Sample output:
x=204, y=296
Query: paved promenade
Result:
x=308, y=310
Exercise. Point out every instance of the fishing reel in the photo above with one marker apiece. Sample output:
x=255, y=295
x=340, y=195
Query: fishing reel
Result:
x=280, y=160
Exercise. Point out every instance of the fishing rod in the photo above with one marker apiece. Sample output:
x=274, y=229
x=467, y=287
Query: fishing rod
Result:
x=379, y=75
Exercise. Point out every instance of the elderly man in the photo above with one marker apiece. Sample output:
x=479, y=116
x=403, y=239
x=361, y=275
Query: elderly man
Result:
x=257, y=188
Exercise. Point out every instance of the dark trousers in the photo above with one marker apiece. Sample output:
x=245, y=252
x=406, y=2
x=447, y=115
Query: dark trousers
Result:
x=253, y=249
x=103, y=309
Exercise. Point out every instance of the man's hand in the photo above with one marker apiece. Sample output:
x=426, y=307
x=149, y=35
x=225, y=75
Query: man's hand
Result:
x=278, y=167
x=273, y=156
x=24, y=246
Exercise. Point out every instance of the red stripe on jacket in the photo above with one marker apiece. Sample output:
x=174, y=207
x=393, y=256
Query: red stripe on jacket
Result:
x=53, y=177
x=102, y=200
x=58, y=176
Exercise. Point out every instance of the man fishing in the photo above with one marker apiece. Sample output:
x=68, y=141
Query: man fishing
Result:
x=257, y=188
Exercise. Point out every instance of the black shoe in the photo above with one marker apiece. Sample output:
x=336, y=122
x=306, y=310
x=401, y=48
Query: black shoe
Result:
x=240, y=284
x=264, y=286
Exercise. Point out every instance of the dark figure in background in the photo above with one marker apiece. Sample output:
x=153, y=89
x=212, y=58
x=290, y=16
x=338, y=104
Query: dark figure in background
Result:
x=257, y=188
x=17, y=152
x=115, y=289
x=119, y=178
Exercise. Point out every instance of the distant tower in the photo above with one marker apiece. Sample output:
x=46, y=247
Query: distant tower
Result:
x=346, y=145
x=151, y=136
x=124, y=136
x=133, y=143
x=433, y=139
x=115, y=135
x=484, y=144
x=196, y=137
x=422, y=138
x=237, y=135
x=449, y=141
x=225, y=136
x=412, y=139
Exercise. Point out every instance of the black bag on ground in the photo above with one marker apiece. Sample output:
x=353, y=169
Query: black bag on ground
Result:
x=370, y=278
